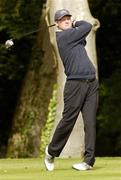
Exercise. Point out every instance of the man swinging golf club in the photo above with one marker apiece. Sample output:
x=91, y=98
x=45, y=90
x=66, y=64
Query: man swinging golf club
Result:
x=80, y=92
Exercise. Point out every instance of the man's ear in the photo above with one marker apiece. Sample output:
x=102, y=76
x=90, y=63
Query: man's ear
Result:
x=56, y=23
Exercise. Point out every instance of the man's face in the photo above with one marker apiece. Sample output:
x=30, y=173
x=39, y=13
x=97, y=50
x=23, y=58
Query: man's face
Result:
x=64, y=23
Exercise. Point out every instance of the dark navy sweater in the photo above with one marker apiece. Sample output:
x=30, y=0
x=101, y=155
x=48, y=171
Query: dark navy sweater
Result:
x=71, y=44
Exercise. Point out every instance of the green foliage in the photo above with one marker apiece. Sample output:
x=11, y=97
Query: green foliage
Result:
x=30, y=117
x=109, y=126
x=22, y=143
x=109, y=63
x=46, y=133
x=17, y=17
x=109, y=56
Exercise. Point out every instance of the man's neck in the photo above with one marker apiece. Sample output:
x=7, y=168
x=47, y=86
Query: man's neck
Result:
x=59, y=30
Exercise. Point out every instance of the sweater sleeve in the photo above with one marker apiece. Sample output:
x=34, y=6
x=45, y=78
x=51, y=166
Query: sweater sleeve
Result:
x=79, y=32
x=79, y=23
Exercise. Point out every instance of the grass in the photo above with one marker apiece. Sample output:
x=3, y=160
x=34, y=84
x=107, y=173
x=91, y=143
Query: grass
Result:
x=108, y=168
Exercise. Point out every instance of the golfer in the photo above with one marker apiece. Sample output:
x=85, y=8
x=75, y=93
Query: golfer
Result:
x=80, y=92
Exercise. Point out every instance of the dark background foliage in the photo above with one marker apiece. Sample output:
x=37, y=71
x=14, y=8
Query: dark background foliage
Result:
x=16, y=18
x=109, y=64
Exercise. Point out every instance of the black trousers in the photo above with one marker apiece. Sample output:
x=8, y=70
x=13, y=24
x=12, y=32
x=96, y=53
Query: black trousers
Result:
x=79, y=95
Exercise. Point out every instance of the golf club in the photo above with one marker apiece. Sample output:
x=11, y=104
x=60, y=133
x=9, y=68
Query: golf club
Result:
x=10, y=42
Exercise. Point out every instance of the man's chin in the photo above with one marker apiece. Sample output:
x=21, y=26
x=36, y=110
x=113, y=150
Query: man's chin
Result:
x=68, y=27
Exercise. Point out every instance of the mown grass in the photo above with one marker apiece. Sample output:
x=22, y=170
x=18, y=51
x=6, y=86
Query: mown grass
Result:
x=107, y=168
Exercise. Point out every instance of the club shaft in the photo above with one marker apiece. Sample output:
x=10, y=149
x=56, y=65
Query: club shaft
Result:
x=29, y=33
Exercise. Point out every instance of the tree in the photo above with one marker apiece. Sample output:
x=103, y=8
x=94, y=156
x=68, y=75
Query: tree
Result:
x=80, y=10
x=16, y=19
x=32, y=106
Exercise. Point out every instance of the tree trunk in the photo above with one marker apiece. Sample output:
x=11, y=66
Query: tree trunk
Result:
x=32, y=108
x=80, y=10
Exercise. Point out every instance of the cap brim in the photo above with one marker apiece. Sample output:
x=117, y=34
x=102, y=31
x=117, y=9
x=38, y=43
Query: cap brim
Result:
x=63, y=16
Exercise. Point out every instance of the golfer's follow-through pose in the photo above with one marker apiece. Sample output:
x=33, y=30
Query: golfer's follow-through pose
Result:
x=80, y=92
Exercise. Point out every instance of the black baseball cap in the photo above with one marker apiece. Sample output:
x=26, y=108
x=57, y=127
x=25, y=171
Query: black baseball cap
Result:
x=61, y=13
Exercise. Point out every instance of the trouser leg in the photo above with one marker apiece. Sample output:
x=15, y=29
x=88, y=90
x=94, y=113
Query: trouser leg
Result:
x=72, y=96
x=89, y=116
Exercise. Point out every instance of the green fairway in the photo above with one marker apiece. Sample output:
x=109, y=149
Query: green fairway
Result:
x=33, y=169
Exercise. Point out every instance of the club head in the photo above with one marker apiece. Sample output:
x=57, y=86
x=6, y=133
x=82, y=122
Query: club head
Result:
x=9, y=43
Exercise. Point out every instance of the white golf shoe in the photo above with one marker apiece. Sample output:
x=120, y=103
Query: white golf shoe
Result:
x=49, y=160
x=82, y=166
